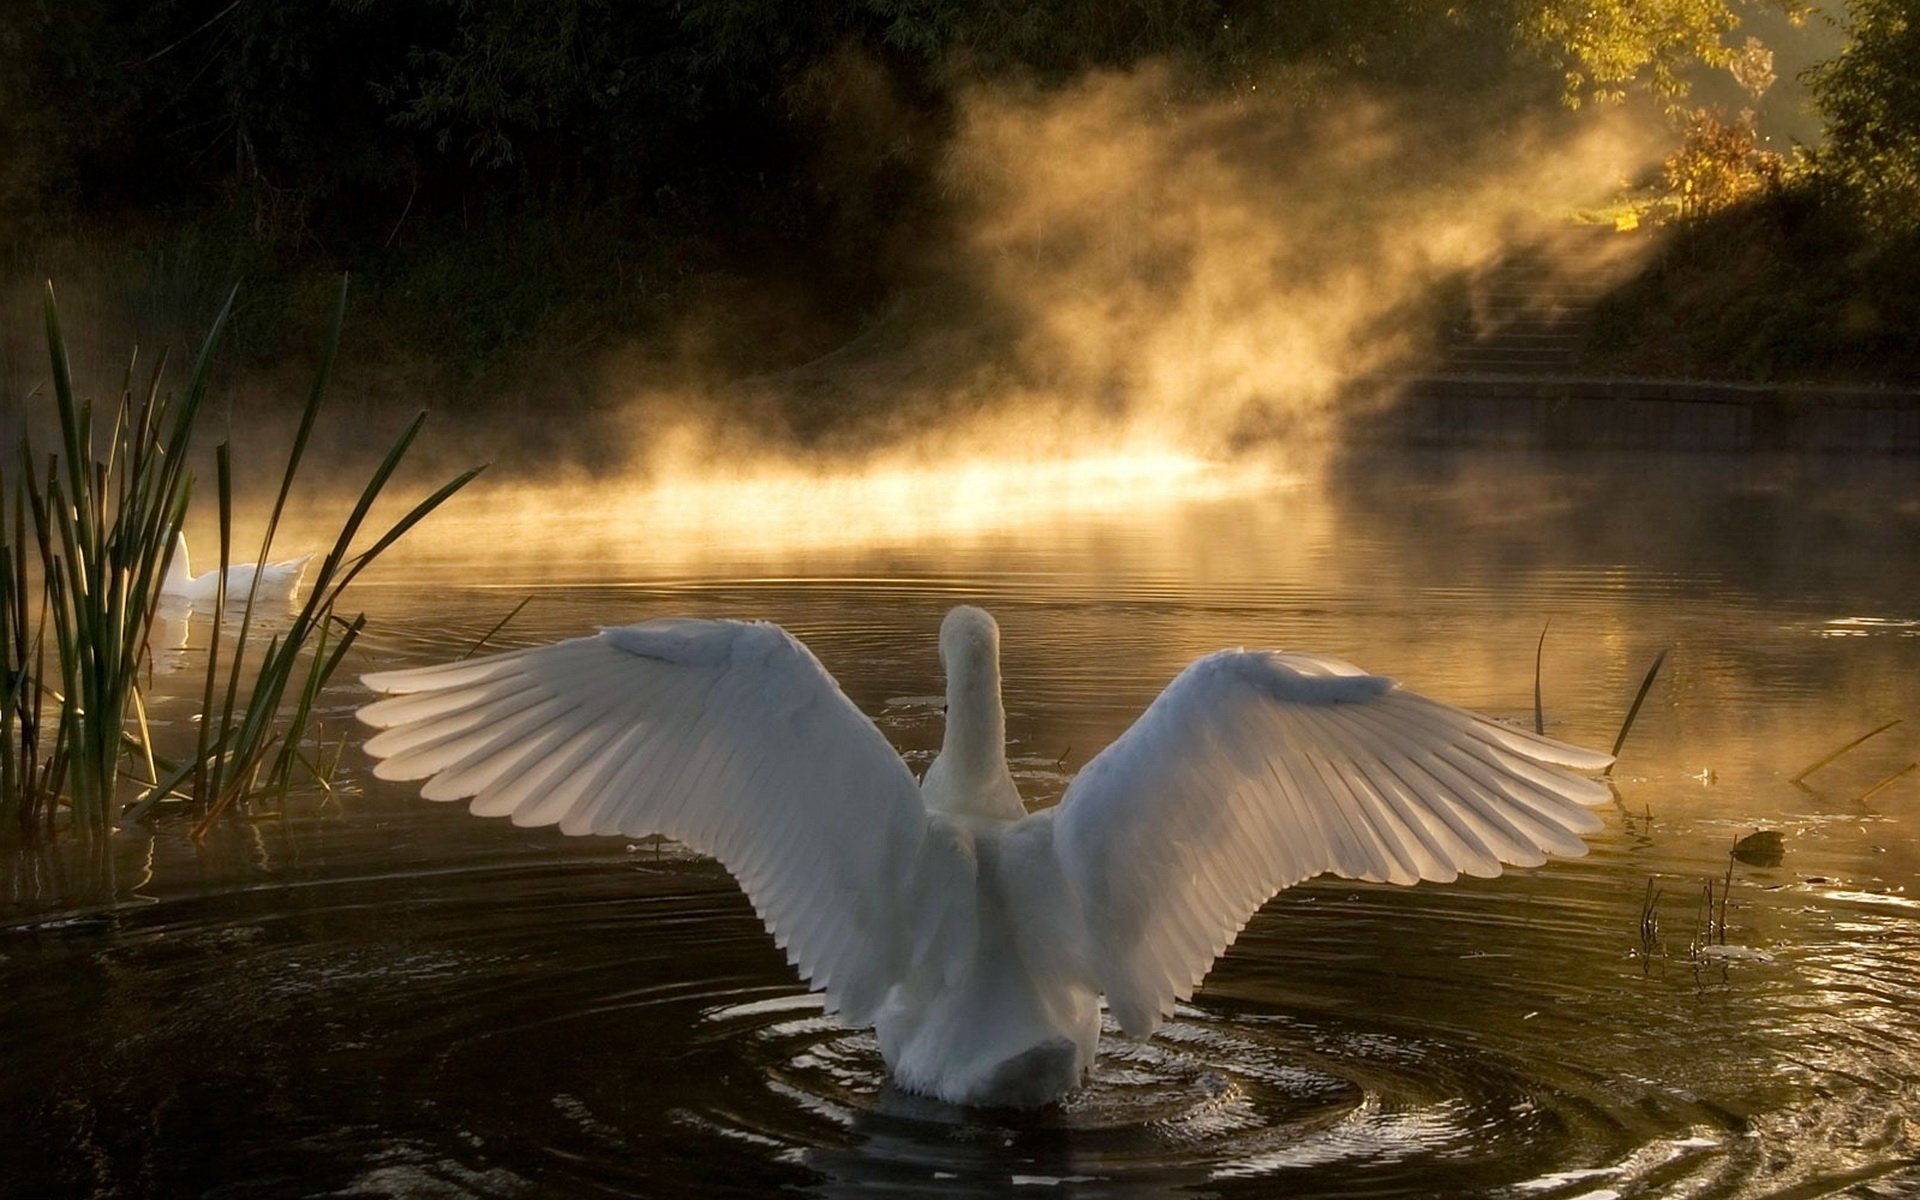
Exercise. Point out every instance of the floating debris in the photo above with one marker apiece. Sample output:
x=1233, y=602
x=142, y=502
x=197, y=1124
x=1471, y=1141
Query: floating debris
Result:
x=1722, y=950
x=1763, y=849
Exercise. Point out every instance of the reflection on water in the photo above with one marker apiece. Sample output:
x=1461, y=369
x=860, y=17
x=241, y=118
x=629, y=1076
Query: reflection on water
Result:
x=385, y=997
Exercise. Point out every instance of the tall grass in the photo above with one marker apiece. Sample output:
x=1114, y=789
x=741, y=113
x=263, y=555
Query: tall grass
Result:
x=104, y=521
x=101, y=523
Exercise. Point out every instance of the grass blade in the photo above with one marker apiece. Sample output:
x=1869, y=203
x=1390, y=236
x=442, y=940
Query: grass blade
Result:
x=1640, y=697
x=1539, y=713
x=1871, y=733
x=497, y=627
x=1877, y=788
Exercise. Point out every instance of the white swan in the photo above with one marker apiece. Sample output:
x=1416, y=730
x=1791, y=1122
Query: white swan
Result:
x=277, y=579
x=976, y=938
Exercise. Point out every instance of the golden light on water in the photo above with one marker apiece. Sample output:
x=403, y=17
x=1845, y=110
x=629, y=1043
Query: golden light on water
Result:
x=906, y=501
x=771, y=509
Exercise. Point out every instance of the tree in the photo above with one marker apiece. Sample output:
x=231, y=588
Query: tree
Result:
x=1870, y=96
x=1606, y=46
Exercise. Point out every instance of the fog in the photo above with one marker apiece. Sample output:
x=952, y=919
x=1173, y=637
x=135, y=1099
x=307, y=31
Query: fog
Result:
x=1135, y=283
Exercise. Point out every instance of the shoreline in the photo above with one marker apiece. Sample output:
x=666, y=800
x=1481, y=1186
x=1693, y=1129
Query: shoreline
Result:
x=1609, y=412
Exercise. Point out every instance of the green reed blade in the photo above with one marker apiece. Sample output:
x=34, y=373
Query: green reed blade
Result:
x=103, y=522
x=502, y=624
x=64, y=405
x=1639, y=698
x=325, y=661
x=414, y=516
x=1539, y=649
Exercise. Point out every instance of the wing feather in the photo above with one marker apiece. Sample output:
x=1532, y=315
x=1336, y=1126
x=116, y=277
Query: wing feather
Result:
x=728, y=736
x=1254, y=771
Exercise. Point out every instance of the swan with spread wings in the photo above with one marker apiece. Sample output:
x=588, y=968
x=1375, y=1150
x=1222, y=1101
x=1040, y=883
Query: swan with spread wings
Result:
x=976, y=938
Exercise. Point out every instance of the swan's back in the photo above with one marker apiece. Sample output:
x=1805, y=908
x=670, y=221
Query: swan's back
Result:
x=1000, y=1006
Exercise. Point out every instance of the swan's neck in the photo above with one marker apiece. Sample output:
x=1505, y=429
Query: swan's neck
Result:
x=970, y=776
x=976, y=740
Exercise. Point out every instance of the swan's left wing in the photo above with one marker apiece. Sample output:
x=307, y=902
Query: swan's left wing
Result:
x=1254, y=771
x=728, y=736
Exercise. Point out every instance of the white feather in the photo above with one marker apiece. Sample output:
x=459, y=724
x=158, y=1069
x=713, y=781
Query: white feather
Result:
x=728, y=736
x=975, y=938
x=1326, y=768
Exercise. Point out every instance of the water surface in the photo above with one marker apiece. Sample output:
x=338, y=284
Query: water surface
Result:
x=380, y=996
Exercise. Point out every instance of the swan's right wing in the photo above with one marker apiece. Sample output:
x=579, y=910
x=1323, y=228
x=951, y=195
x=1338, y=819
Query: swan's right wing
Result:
x=1255, y=771
x=728, y=736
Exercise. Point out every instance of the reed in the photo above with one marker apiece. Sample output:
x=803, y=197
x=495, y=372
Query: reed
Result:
x=1884, y=783
x=96, y=529
x=1539, y=650
x=497, y=627
x=1650, y=921
x=1633, y=711
x=104, y=520
x=1861, y=740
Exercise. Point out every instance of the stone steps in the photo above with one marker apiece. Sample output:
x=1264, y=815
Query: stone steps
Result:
x=1530, y=312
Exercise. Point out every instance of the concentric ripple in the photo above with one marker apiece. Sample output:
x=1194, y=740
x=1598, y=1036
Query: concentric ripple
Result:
x=618, y=1024
x=1216, y=1098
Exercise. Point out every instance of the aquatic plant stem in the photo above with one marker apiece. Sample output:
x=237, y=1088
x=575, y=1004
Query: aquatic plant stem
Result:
x=1869, y=734
x=1639, y=698
x=497, y=627
x=1877, y=788
x=1539, y=649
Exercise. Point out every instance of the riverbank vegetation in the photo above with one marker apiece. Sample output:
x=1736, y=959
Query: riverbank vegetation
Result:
x=86, y=535
x=1801, y=267
x=718, y=189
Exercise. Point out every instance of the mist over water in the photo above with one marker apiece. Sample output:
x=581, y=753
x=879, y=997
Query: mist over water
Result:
x=1142, y=269
x=379, y=995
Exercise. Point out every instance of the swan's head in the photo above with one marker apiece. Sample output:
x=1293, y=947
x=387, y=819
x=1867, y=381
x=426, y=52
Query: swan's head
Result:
x=969, y=644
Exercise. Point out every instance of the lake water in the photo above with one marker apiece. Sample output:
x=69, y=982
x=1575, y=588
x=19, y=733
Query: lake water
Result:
x=378, y=996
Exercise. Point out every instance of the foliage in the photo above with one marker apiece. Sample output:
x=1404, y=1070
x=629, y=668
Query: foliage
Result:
x=104, y=522
x=1752, y=68
x=1719, y=163
x=1785, y=285
x=324, y=122
x=1608, y=45
x=692, y=145
x=1870, y=96
x=104, y=527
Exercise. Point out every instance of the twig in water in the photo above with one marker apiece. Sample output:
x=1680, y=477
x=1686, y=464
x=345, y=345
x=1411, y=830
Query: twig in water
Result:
x=1842, y=750
x=1726, y=889
x=498, y=626
x=1539, y=716
x=1640, y=698
x=1703, y=937
x=1884, y=782
x=1060, y=762
x=1650, y=921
